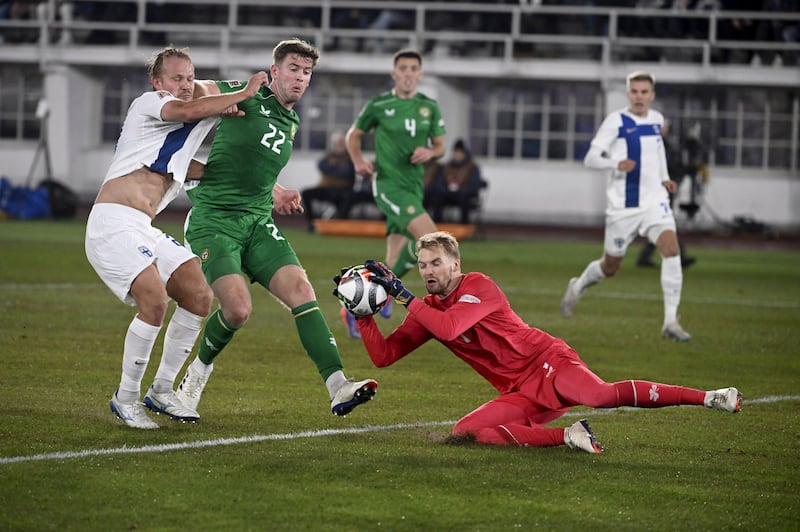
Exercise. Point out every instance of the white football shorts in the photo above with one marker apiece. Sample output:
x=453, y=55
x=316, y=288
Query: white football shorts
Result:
x=121, y=243
x=622, y=226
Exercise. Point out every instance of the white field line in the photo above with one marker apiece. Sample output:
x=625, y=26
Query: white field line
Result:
x=164, y=447
x=43, y=287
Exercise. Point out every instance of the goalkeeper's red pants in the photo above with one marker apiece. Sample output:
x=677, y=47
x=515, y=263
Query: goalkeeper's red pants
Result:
x=518, y=418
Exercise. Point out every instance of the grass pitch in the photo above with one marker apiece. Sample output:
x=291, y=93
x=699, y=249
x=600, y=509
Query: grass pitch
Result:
x=268, y=455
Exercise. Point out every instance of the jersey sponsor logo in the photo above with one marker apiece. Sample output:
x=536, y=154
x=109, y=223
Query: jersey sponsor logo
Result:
x=389, y=112
x=549, y=369
x=234, y=83
x=425, y=112
x=144, y=250
x=264, y=112
x=469, y=298
x=204, y=255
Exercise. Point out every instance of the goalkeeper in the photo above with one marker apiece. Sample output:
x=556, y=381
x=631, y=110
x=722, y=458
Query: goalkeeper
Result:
x=539, y=377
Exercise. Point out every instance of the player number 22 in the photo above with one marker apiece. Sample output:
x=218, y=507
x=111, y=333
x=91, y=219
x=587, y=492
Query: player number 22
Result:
x=270, y=141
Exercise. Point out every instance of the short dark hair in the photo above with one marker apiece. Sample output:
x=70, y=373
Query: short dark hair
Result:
x=407, y=53
x=155, y=64
x=295, y=46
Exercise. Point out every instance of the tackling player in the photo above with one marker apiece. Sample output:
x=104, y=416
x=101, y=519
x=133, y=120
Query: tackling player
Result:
x=409, y=131
x=142, y=265
x=630, y=148
x=539, y=377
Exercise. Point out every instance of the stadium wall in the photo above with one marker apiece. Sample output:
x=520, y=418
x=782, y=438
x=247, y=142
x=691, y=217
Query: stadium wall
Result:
x=551, y=193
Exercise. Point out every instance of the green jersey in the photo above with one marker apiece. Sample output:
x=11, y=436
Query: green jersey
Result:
x=401, y=126
x=247, y=155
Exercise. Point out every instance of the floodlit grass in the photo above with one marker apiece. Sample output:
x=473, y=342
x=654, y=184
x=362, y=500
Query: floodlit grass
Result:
x=682, y=468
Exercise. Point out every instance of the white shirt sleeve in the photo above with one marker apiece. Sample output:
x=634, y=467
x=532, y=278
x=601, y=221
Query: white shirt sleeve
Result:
x=599, y=154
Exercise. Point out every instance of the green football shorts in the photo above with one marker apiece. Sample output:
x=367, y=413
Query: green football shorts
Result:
x=399, y=207
x=230, y=243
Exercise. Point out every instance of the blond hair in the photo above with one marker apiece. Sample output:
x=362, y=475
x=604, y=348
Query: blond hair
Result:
x=440, y=239
x=155, y=65
x=640, y=75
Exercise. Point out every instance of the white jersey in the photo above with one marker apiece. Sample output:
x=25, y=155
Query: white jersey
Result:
x=623, y=135
x=148, y=141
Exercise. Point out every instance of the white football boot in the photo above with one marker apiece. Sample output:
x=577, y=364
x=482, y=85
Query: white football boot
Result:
x=351, y=394
x=580, y=436
x=133, y=414
x=191, y=387
x=570, y=299
x=169, y=404
x=727, y=399
x=674, y=331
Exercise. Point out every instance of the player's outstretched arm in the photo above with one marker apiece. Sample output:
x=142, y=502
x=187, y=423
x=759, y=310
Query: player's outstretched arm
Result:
x=212, y=105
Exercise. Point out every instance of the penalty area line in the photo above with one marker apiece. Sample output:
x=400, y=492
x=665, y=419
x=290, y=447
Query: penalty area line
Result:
x=164, y=447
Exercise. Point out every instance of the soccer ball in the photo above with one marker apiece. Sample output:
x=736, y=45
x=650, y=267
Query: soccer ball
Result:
x=360, y=296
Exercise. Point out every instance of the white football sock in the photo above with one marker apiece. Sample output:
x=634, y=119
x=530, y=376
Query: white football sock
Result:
x=201, y=367
x=139, y=342
x=182, y=332
x=591, y=275
x=671, y=285
x=334, y=382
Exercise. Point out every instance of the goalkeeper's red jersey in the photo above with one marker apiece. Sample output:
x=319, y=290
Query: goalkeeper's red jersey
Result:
x=477, y=323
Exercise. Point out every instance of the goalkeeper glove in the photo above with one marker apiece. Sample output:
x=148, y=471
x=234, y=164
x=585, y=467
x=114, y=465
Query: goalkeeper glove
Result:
x=384, y=277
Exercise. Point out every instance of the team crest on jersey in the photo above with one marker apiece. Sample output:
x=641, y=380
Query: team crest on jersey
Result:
x=204, y=255
x=144, y=250
x=411, y=209
x=293, y=132
x=619, y=242
x=425, y=112
x=234, y=83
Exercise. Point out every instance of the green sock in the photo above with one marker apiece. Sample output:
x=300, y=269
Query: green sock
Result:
x=217, y=334
x=406, y=261
x=317, y=338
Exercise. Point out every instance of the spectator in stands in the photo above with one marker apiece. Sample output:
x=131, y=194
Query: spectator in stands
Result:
x=18, y=10
x=349, y=18
x=773, y=29
x=457, y=183
x=428, y=181
x=736, y=29
x=337, y=179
